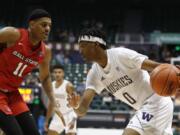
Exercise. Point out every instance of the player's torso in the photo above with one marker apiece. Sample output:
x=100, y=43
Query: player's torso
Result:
x=61, y=96
x=17, y=61
x=129, y=85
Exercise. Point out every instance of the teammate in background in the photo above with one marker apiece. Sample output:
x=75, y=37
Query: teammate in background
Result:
x=24, y=50
x=123, y=73
x=62, y=88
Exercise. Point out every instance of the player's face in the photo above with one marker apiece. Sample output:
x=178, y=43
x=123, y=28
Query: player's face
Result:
x=40, y=28
x=88, y=50
x=58, y=74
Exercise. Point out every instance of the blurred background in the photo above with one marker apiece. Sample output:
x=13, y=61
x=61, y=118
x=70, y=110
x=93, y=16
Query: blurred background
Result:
x=149, y=27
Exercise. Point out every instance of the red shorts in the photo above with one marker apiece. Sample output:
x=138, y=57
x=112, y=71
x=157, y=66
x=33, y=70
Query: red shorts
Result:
x=12, y=103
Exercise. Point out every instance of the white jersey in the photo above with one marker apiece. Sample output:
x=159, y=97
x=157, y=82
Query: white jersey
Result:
x=61, y=96
x=123, y=77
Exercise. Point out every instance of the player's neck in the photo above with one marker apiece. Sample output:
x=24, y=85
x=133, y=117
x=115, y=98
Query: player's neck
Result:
x=102, y=59
x=33, y=40
x=59, y=82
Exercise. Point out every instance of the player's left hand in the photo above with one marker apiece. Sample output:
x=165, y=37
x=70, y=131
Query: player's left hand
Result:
x=72, y=123
x=74, y=100
x=57, y=111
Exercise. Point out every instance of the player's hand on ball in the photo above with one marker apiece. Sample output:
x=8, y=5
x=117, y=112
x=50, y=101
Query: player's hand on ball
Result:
x=178, y=74
x=74, y=100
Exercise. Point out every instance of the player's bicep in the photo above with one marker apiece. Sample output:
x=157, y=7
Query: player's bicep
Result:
x=9, y=35
x=149, y=65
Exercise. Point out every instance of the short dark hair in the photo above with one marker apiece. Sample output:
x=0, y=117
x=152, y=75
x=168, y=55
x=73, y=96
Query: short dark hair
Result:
x=58, y=67
x=96, y=32
x=38, y=13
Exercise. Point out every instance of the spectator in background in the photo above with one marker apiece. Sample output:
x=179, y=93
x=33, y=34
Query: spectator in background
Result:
x=75, y=57
x=60, y=58
x=166, y=54
x=71, y=38
x=80, y=86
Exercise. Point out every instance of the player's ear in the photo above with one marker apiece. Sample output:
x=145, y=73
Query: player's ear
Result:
x=31, y=24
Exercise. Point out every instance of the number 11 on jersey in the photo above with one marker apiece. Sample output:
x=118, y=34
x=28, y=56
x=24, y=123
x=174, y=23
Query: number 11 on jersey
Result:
x=19, y=69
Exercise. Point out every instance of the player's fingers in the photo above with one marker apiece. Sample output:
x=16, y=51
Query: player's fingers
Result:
x=78, y=98
x=178, y=66
x=71, y=126
x=72, y=101
x=70, y=97
x=45, y=127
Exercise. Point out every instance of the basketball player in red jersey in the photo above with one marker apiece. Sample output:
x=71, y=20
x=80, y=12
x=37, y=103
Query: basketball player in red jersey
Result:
x=24, y=50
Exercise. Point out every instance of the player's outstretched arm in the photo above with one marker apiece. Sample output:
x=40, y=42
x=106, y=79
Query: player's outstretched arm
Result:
x=45, y=77
x=71, y=91
x=149, y=65
x=81, y=105
x=9, y=35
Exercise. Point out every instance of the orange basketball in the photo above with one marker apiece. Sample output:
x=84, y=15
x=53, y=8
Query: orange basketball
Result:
x=164, y=79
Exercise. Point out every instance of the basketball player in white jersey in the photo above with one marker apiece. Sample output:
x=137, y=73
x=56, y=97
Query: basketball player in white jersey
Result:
x=61, y=89
x=123, y=73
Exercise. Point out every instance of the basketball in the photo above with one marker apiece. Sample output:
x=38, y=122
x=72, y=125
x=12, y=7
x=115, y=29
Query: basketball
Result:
x=164, y=80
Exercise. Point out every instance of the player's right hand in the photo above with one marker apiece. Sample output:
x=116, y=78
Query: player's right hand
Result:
x=72, y=123
x=178, y=74
x=45, y=126
x=74, y=100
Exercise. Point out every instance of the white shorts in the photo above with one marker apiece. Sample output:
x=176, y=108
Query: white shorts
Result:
x=154, y=118
x=57, y=125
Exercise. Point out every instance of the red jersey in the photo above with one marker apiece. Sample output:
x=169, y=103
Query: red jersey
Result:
x=19, y=60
